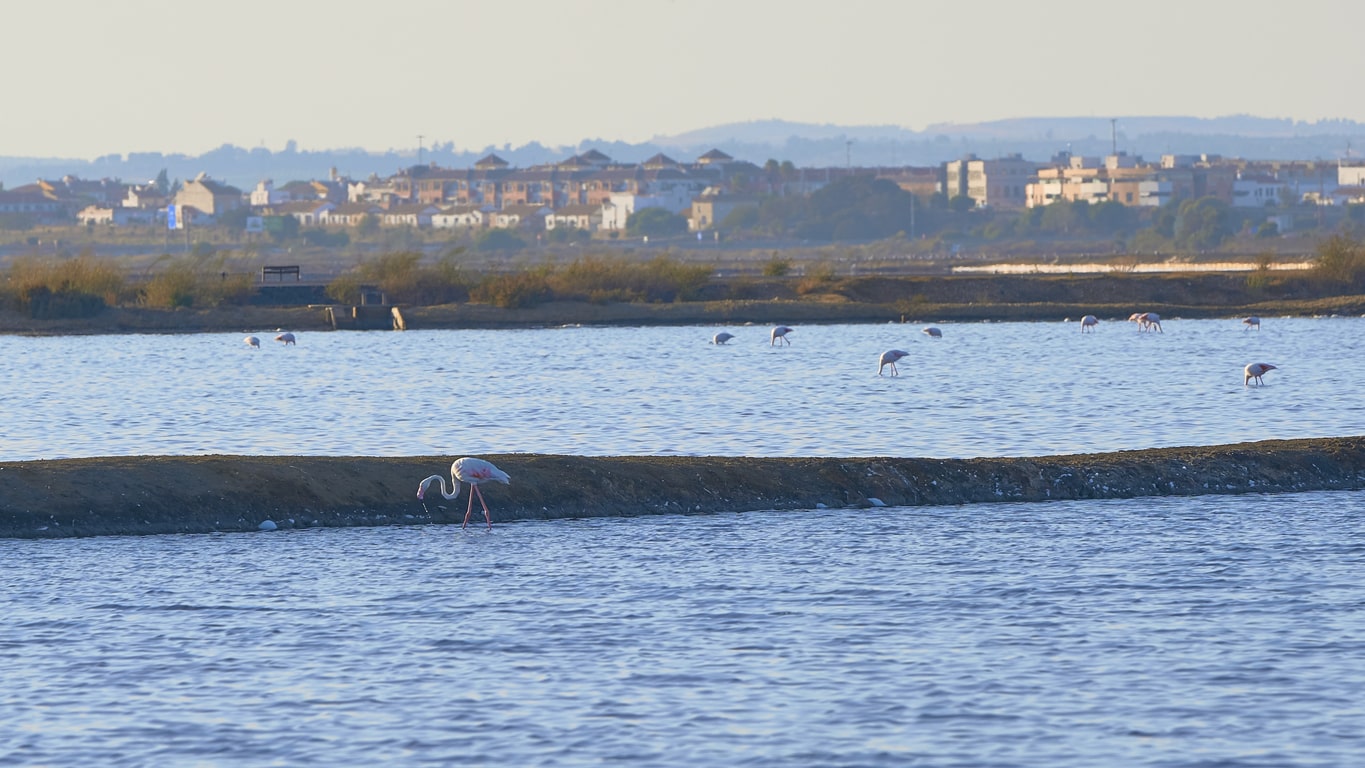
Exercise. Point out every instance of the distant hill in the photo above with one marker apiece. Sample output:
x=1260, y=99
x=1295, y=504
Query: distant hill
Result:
x=804, y=144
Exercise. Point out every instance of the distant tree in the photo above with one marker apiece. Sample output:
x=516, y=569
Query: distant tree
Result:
x=162, y=184
x=961, y=203
x=368, y=224
x=498, y=240
x=1202, y=224
x=856, y=208
x=655, y=222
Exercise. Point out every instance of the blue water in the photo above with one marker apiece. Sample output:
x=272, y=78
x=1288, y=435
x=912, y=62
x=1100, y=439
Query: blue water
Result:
x=1002, y=389
x=1210, y=631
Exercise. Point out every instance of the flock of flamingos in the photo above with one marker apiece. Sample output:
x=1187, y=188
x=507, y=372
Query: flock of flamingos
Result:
x=475, y=472
x=1146, y=321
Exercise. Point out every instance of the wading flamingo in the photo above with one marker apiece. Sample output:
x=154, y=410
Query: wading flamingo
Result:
x=253, y=342
x=889, y=357
x=722, y=337
x=1255, y=371
x=780, y=332
x=1147, y=321
x=286, y=337
x=933, y=332
x=1251, y=322
x=1088, y=323
x=472, y=471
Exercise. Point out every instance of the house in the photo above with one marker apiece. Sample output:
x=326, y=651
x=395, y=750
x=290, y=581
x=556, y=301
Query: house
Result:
x=522, y=217
x=265, y=194
x=708, y=211
x=306, y=212
x=587, y=218
x=208, y=196
x=411, y=215
x=999, y=183
x=461, y=217
x=351, y=214
x=29, y=200
x=115, y=215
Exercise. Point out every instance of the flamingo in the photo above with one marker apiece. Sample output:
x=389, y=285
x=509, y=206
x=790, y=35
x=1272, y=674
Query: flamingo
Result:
x=780, y=332
x=287, y=338
x=1251, y=322
x=472, y=471
x=253, y=342
x=722, y=337
x=933, y=332
x=889, y=357
x=1255, y=371
x=1146, y=321
x=1088, y=323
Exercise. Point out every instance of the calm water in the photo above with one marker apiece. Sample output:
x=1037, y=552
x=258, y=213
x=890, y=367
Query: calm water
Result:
x=1216, y=631
x=1213, y=631
x=1002, y=389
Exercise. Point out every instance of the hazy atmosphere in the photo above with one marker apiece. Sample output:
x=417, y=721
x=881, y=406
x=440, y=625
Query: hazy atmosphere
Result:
x=153, y=76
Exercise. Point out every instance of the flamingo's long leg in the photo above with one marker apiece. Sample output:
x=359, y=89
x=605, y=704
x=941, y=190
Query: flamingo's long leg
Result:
x=486, y=518
x=470, y=508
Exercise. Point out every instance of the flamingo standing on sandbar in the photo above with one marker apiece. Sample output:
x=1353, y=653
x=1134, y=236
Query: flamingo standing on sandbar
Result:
x=1255, y=371
x=1088, y=323
x=780, y=332
x=889, y=357
x=252, y=341
x=472, y=471
x=721, y=338
x=286, y=338
x=1251, y=322
x=933, y=332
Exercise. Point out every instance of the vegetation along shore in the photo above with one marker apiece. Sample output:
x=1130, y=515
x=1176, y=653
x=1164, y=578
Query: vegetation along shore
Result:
x=90, y=295
x=204, y=494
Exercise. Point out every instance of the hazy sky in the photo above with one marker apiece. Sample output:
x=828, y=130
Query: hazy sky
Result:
x=92, y=77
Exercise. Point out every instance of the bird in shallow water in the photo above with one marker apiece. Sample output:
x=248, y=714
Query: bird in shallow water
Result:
x=1255, y=371
x=889, y=357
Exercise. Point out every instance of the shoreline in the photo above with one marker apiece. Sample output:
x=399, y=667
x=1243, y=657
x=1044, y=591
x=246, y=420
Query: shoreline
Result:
x=144, y=495
x=710, y=313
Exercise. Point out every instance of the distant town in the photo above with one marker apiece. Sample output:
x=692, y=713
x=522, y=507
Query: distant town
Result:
x=594, y=196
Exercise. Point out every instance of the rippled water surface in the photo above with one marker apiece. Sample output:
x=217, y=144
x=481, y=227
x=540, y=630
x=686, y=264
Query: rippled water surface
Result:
x=1214, y=631
x=1004, y=389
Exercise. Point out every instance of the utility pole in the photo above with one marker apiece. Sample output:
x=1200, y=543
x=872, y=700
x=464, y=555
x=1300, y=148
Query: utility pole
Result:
x=1114, y=135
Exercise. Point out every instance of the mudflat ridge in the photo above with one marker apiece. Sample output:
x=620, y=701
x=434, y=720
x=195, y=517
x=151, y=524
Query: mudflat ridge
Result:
x=137, y=495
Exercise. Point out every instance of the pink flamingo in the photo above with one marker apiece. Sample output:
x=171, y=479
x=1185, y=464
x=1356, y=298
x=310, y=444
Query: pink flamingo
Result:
x=1088, y=323
x=1251, y=322
x=780, y=332
x=1255, y=371
x=889, y=357
x=252, y=341
x=287, y=338
x=933, y=332
x=1147, y=321
x=472, y=471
